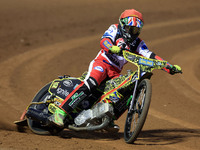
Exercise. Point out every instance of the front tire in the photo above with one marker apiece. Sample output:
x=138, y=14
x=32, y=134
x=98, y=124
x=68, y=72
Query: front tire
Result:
x=135, y=120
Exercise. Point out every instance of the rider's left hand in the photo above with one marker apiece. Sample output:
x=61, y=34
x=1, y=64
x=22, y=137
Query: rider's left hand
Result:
x=175, y=69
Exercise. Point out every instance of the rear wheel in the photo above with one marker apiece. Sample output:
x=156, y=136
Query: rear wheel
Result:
x=36, y=126
x=136, y=118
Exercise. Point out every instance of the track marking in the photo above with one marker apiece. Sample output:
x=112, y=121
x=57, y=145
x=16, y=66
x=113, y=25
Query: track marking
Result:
x=175, y=37
x=40, y=57
x=173, y=22
x=193, y=56
x=44, y=54
x=188, y=59
x=10, y=64
x=168, y=118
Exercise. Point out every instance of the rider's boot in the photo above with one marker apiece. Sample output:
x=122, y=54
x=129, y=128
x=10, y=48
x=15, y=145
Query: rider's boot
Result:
x=112, y=127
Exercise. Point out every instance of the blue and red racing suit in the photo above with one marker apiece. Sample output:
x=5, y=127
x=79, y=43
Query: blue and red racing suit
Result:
x=110, y=65
x=106, y=65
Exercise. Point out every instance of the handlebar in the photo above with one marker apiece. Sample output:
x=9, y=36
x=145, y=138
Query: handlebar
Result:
x=173, y=70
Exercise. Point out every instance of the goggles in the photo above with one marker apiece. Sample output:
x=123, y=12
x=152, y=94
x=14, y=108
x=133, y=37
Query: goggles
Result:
x=132, y=30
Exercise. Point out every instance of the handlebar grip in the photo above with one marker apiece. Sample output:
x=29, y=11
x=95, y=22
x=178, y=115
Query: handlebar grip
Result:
x=173, y=69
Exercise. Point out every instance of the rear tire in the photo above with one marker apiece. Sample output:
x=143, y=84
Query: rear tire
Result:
x=135, y=120
x=36, y=126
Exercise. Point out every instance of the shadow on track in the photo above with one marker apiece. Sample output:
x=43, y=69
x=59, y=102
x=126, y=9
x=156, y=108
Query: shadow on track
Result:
x=91, y=135
x=148, y=137
x=166, y=136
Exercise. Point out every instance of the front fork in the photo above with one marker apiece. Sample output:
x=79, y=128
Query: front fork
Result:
x=133, y=98
x=141, y=74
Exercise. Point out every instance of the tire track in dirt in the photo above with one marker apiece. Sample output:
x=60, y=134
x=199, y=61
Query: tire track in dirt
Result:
x=42, y=55
x=168, y=118
x=22, y=65
x=189, y=58
x=45, y=54
x=171, y=23
x=186, y=59
x=175, y=37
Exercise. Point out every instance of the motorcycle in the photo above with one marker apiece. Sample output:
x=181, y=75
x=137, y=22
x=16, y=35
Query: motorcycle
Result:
x=130, y=92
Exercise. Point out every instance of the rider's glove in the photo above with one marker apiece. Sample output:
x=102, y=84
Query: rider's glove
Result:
x=175, y=69
x=115, y=49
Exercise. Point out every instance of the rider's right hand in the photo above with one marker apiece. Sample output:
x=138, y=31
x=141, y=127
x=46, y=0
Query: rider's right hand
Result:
x=115, y=49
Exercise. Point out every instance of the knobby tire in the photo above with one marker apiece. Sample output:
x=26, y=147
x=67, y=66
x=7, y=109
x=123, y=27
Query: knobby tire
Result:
x=131, y=136
x=35, y=126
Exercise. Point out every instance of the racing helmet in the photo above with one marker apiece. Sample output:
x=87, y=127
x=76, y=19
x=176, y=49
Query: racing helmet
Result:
x=130, y=24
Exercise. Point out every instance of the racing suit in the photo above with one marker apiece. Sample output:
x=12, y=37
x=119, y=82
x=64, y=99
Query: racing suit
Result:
x=110, y=65
x=106, y=64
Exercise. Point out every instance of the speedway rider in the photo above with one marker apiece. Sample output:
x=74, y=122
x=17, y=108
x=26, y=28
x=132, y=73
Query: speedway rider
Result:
x=109, y=62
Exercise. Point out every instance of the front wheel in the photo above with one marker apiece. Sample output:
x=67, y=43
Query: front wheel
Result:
x=136, y=118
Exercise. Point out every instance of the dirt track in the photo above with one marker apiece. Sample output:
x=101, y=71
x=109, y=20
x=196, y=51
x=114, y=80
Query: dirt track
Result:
x=41, y=40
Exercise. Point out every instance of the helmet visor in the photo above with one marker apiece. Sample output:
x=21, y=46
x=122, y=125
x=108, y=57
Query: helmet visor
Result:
x=132, y=30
